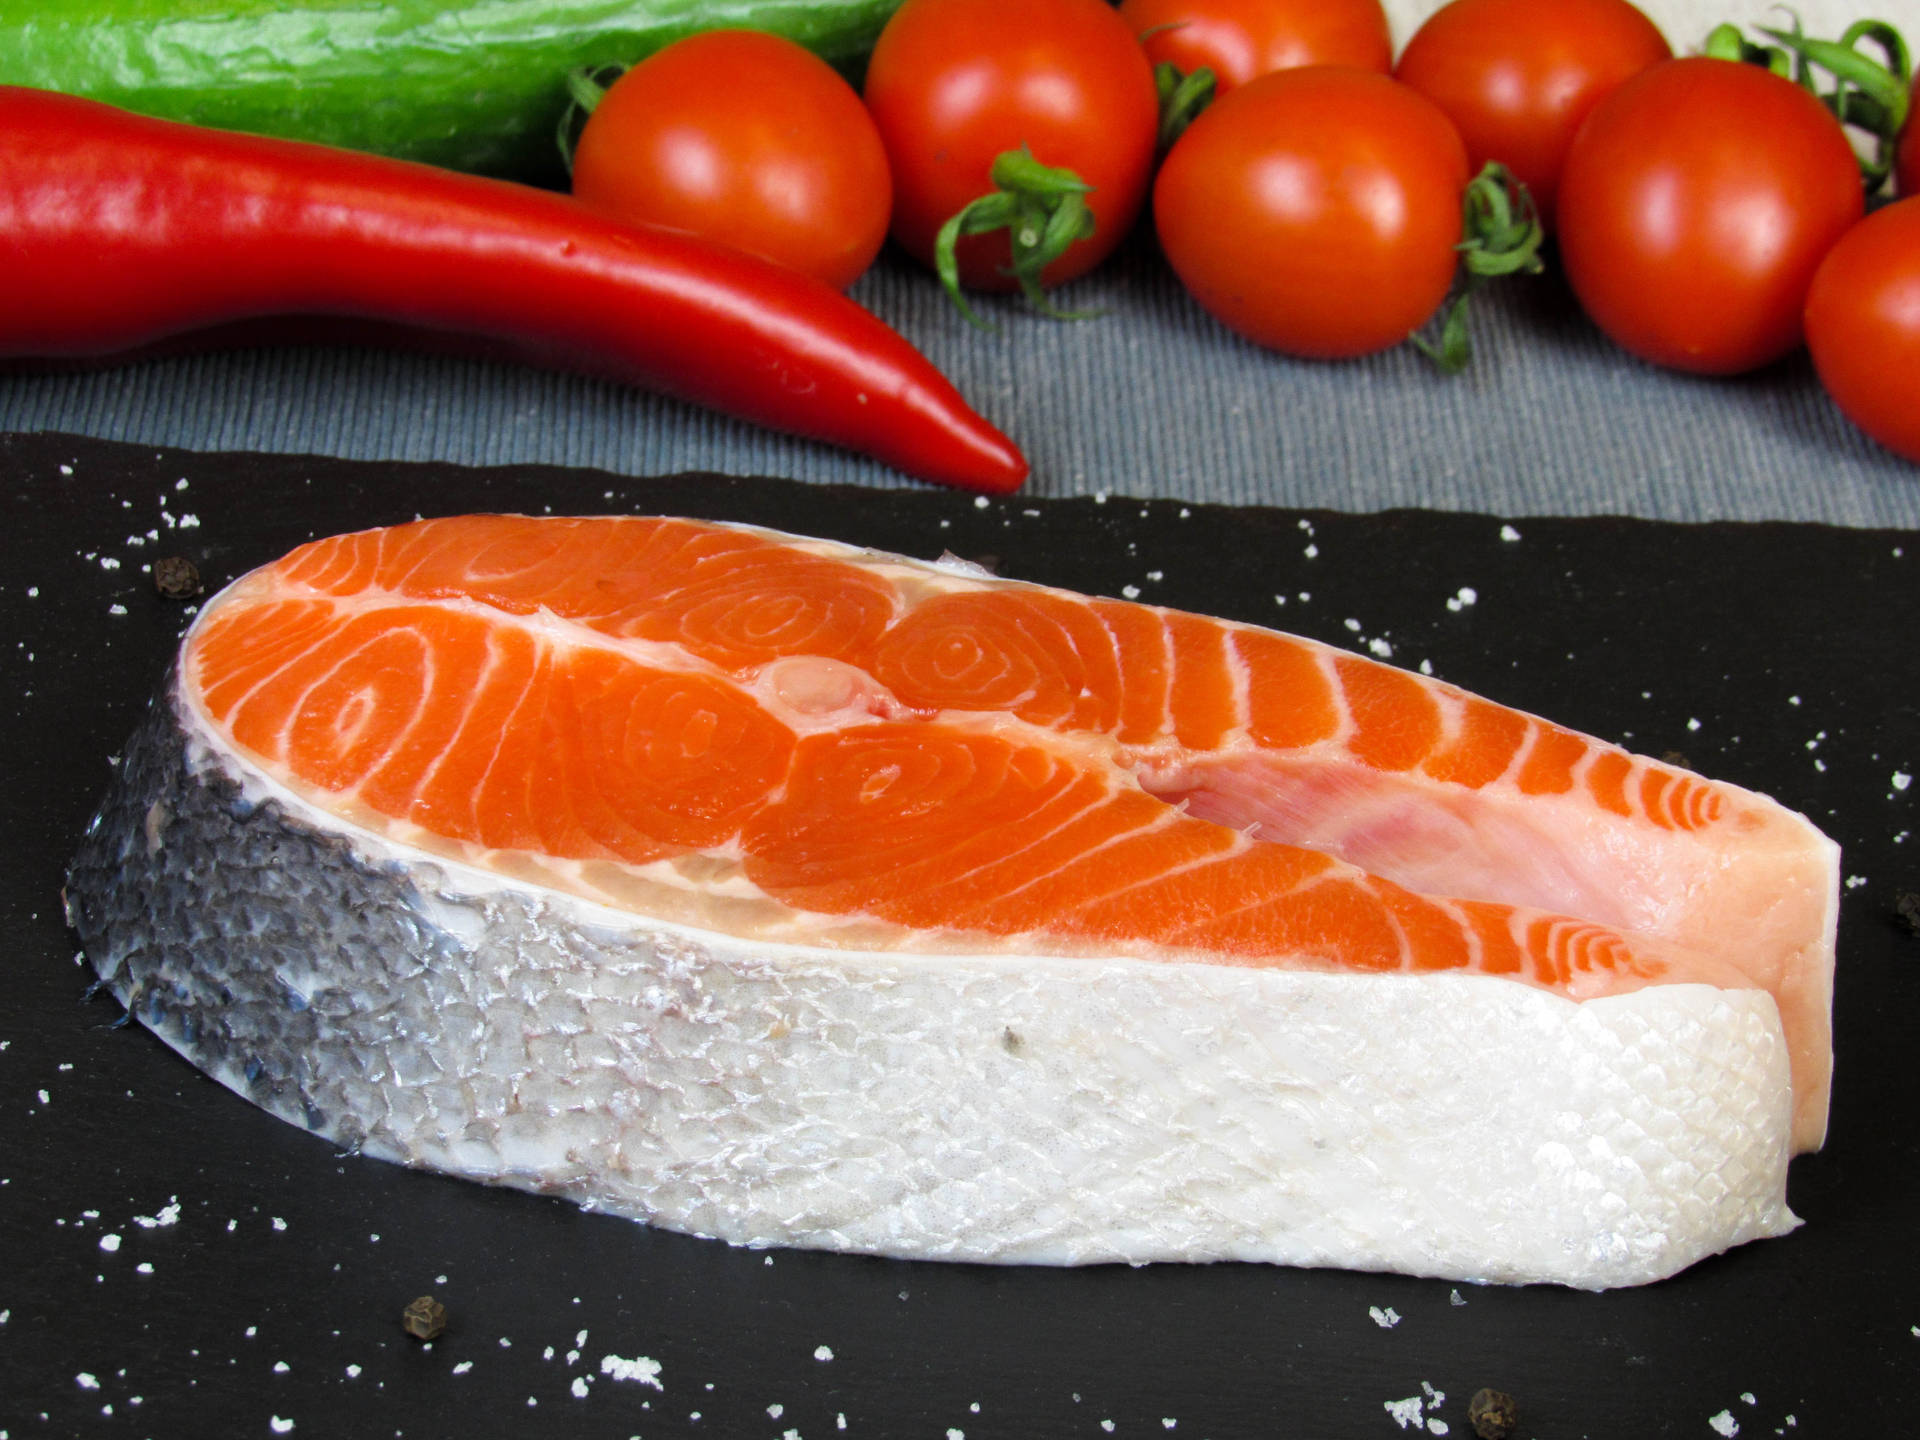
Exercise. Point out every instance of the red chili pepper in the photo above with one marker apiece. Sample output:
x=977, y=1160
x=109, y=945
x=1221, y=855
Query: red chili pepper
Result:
x=119, y=234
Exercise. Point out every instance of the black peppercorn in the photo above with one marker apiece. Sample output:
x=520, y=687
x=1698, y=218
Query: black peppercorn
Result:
x=1493, y=1414
x=424, y=1318
x=175, y=577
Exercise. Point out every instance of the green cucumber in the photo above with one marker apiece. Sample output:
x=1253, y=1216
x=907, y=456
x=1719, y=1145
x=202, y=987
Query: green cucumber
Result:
x=477, y=85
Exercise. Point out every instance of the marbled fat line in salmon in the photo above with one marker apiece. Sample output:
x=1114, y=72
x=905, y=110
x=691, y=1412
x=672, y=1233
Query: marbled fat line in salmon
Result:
x=769, y=889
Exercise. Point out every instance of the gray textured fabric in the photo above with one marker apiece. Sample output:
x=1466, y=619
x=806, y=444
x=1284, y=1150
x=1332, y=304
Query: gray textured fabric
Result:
x=1151, y=398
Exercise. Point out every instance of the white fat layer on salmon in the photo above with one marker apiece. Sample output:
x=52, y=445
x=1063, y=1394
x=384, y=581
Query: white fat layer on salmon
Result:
x=1003, y=1108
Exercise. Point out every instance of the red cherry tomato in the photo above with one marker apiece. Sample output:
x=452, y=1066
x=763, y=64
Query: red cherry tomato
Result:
x=1316, y=211
x=1240, y=39
x=1696, y=203
x=953, y=83
x=1863, y=325
x=746, y=138
x=1518, y=76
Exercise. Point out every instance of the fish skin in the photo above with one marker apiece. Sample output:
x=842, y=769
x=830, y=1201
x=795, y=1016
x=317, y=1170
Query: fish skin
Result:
x=999, y=1108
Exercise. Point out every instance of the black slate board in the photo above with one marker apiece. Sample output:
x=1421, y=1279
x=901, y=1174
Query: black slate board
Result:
x=1776, y=656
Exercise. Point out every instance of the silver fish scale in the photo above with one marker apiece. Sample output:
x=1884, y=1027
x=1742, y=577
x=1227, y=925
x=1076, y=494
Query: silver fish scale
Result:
x=997, y=1108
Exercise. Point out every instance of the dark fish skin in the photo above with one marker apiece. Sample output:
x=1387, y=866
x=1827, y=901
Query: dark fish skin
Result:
x=202, y=912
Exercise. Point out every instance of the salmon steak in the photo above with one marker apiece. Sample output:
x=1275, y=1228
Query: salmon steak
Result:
x=768, y=889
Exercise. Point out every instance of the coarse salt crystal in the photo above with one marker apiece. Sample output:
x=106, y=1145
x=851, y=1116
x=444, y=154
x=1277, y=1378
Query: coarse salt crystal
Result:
x=641, y=1368
x=1724, y=1424
x=1406, y=1412
x=822, y=1352
x=1386, y=1319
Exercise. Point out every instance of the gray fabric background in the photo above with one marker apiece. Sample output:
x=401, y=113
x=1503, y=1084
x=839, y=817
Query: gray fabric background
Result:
x=1152, y=398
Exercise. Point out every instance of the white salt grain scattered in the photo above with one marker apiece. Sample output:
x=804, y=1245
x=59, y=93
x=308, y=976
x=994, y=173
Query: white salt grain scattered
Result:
x=1693, y=724
x=167, y=1215
x=1508, y=533
x=1386, y=1319
x=822, y=1352
x=1130, y=592
x=1312, y=552
x=579, y=1387
x=1454, y=1298
x=145, y=1267
x=353, y=1372
x=641, y=1368
x=1406, y=1412
x=463, y=1367
x=953, y=1434
x=1352, y=624
x=279, y=1426
x=86, y=1381
x=280, y=1367
x=280, y=1224
x=1724, y=1424
x=775, y=1411
x=1381, y=648
x=840, y=1421
x=1746, y=1398
x=1901, y=780
x=110, y=1243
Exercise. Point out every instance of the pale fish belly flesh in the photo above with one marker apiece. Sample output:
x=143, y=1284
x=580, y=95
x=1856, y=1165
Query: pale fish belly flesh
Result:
x=768, y=889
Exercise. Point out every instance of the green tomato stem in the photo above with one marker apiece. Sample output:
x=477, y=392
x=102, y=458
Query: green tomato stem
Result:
x=1044, y=210
x=1501, y=234
x=1870, y=95
x=1182, y=98
x=587, y=86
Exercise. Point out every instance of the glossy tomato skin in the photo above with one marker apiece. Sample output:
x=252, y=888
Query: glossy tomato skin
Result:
x=1518, y=76
x=1241, y=39
x=1696, y=203
x=747, y=138
x=1863, y=325
x=1315, y=211
x=953, y=83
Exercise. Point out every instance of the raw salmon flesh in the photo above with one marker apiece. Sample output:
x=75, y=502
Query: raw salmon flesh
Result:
x=770, y=889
